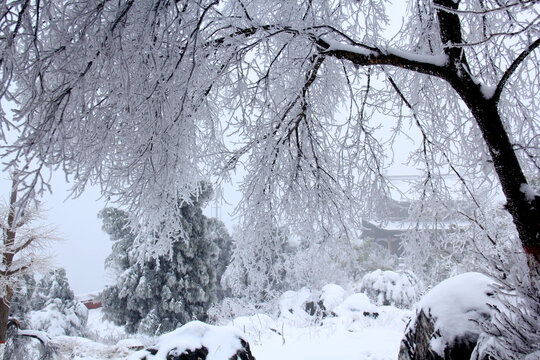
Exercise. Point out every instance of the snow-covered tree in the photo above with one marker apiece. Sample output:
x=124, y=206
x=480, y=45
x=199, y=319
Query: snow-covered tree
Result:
x=139, y=96
x=218, y=234
x=56, y=310
x=21, y=302
x=53, y=285
x=20, y=248
x=116, y=224
x=302, y=83
x=259, y=266
x=160, y=294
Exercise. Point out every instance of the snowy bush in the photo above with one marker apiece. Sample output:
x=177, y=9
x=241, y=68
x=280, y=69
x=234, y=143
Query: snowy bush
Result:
x=54, y=285
x=55, y=309
x=391, y=288
x=60, y=318
x=21, y=301
x=293, y=302
x=355, y=306
x=331, y=296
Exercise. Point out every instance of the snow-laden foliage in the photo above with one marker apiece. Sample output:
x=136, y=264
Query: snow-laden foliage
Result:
x=218, y=234
x=400, y=289
x=158, y=295
x=55, y=309
x=259, y=263
x=21, y=302
x=53, y=285
x=301, y=86
x=21, y=250
x=146, y=98
x=513, y=330
x=60, y=317
x=321, y=260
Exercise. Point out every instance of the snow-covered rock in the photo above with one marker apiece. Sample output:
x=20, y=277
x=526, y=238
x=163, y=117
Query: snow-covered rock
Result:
x=391, y=288
x=447, y=319
x=197, y=340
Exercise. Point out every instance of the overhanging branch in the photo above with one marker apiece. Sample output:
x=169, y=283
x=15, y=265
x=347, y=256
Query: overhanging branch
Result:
x=368, y=56
x=512, y=69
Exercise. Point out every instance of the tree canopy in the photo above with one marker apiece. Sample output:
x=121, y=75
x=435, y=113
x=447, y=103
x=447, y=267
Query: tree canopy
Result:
x=140, y=97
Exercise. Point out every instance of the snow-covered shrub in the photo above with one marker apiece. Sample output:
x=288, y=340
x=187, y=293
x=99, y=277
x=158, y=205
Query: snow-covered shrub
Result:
x=399, y=289
x=54, y=285
x=293, y=302
x=259, y=263
x=198, y=340
x=319, y=261
x=24, y=347
x=55, y=309
x=331, y=296
x=60, y=318
x=21, y=302
x=370, y=256
x=513, y=332
x=230, y=308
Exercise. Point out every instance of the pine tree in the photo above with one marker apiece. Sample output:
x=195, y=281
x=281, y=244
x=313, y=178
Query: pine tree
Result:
x=218, y=233
x=21, y=302
x=164, y=292
x=54, y=285
x=56, y=310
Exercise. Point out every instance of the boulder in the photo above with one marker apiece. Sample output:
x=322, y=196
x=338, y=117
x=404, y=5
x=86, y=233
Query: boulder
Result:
x=448, y=319
x=198, y=341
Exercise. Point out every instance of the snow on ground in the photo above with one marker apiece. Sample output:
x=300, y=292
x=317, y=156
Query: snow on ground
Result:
x=101, y=329
x=349, y=335
x=374, y=343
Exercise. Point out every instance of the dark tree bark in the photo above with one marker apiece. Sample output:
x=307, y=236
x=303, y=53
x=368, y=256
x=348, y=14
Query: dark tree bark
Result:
x=9, y=235
x=525, y=212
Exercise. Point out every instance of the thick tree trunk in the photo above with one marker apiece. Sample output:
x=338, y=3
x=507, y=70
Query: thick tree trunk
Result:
x=521, y=203
x=7, y=260
x=523, y=206
x=4, y=315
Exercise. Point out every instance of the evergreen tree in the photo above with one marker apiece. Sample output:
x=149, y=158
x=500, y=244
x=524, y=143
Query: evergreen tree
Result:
x=55, y=309
x=164, y=292
x=116, y=224
x=21, y=302
x=218, y=233
x=54, y=285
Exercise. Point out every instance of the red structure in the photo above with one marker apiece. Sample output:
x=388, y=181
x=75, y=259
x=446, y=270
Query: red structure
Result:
x=91, y=300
